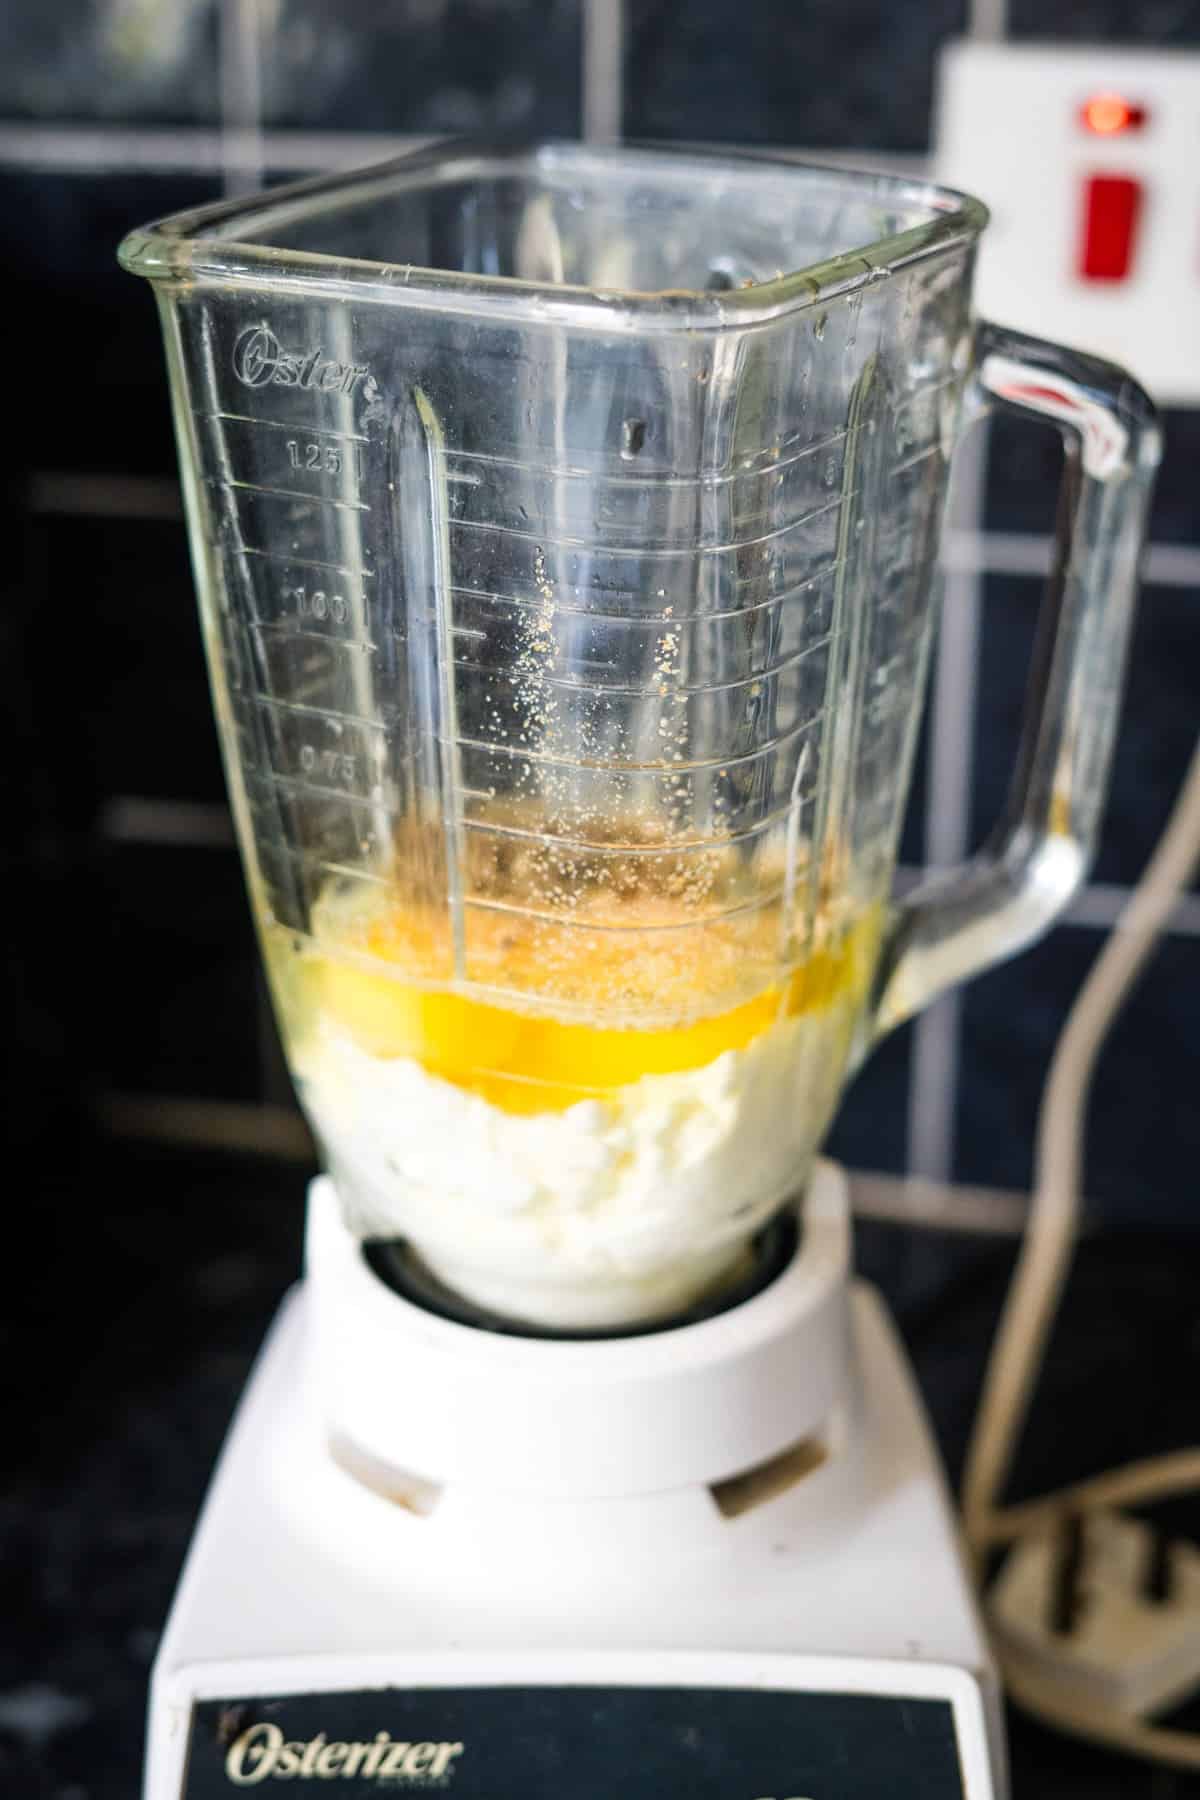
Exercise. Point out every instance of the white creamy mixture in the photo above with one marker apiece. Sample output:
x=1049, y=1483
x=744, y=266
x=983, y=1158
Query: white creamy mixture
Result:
x=615, y=1208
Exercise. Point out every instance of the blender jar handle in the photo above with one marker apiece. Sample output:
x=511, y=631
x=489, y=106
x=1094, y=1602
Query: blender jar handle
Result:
x=963, y=920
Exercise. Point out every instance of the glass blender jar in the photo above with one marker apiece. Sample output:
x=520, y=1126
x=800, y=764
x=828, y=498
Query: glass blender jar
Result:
x=564, y=525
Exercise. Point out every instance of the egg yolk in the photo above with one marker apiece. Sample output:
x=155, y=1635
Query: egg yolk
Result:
x=531, y=1061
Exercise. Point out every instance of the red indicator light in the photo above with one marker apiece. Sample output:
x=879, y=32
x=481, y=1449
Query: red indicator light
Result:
x=1108, y=114
x=1112, y=205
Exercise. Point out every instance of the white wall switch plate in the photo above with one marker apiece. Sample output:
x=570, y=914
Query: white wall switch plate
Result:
x=1089, y=158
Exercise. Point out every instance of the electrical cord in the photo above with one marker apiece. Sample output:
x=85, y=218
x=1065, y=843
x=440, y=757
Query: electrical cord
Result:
x=1096, y=1723
x=1032, y=1302
x=1137, y=1483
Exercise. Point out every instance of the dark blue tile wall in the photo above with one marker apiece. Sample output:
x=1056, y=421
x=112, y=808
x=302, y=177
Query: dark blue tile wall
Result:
x=102, y=655
x=1158, y=723
x=1143, y=1131
x=1008, y=618
x=428, y=66
x=871, y=1129
x=119, y=650
x=1139, y=1134
x=121, y=62
x=912, y=837
x=101, y=609
x=1158, y=730
x=835, y=73
x=134, y=966
x=91, y=389
x=1154, y=22
x=175, y=977
x=1024, y=462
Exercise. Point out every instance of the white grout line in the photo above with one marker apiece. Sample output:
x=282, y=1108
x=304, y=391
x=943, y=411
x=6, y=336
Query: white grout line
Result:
x=1026, y=553
x=191, y=824
x=1099, y=906
x=987, y=20
x=203, y=150
x=275, y=1083
x=979, y=552
x=104, y=149
x=603, y=77
x=914, y=163
x=279, y=1130
x=1171, y=565
x=933, y=1078
x=964, y=552
x=937, y=1205
x=240, y=31
x=212, y=1124
x=73, y=495
x=183, y=150
x=197, y=824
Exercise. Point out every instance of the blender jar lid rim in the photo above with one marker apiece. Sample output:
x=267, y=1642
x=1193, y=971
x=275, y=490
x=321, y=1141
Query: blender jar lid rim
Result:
x=207, y=242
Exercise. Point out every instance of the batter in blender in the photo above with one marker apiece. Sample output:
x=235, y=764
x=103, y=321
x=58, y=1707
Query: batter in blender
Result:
x=606, y=1129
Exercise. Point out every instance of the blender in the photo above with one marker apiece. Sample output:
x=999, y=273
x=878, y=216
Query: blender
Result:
x=564, y=525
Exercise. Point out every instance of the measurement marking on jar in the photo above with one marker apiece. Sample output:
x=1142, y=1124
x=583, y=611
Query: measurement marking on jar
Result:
x=359, y=875
x=741, y=909
x=317, y=603
x=918, y=456
x=298, y=709
x=786, y=597
x=587, y=765
x=280, y=493
x=488, y=827
x=765, y=462
x=302, y=562
x=285, y=629
x=233, y=418
x=924, y=389
x=577, y=684
x=668, y=553
x=361, y=806
x=367, y=804
x=298, y=785
x=335, y=765
x=314, y=458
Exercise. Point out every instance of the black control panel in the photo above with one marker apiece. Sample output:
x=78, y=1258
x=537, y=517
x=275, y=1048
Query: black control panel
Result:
x=576, y=1743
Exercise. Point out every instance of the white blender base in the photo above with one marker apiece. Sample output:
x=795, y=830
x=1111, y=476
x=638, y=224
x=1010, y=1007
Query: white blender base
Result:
x=391, y=1621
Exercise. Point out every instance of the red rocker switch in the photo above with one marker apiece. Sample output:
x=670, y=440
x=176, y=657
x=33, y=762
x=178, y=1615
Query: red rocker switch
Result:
x=1112, y=206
